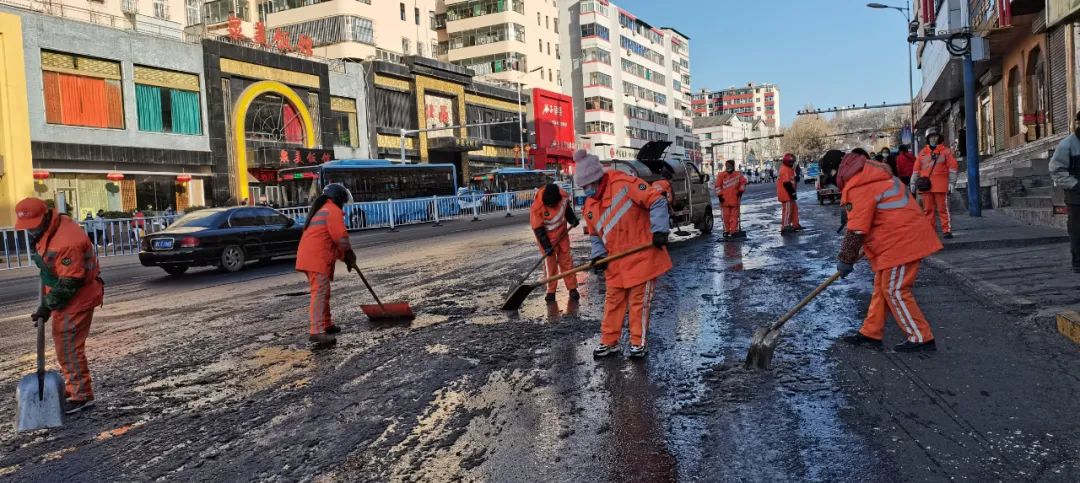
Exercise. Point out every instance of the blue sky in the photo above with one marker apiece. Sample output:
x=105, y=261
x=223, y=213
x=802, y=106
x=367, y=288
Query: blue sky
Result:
x=822, y=52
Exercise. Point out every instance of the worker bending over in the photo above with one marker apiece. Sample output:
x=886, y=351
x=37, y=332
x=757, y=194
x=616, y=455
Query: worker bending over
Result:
x=551, y=217
x=787, y=194
x=730, y=186
x=933, y=177
x=324, y=242
x=885, y=224
x=623, y=212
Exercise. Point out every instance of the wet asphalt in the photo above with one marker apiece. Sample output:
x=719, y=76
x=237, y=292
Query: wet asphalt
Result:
x=210, y=378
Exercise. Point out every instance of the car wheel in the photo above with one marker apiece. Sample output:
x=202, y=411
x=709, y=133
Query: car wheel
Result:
x=232, y=259
x=175, y=269
x=706, y=225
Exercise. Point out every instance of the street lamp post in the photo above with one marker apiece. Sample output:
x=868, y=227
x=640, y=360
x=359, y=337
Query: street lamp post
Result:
x=521, y=117
x=906, y=12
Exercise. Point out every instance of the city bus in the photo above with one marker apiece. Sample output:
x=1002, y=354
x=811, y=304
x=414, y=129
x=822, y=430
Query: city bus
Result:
x=373, y=182
x=522, y=181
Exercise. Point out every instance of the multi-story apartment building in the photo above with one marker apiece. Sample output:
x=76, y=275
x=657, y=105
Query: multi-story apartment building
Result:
x=748, y=102
x=630, y=81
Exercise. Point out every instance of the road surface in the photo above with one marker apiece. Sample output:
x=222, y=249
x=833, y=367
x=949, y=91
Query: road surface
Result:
x=209, y=376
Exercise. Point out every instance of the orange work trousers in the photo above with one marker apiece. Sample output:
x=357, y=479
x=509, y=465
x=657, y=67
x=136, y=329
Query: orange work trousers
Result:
x=937, y=203
x=560, y=262
x=319, y=311
x=638, y=301
x=69, y=330
x=730, y=215
x=892, y=293
x=789, y=214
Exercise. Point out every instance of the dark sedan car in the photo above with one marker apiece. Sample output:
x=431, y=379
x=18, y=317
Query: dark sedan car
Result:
x=222, y=237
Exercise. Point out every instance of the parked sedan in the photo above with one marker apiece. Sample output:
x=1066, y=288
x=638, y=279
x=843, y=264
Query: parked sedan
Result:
x=222, y=237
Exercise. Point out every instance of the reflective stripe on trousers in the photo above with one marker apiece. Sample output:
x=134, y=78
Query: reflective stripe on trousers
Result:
x=637, y=301
x=789, y=214
x=319, y=311
x=560, y=262
x=69, y=330
x=892, y=293
x=937, y=203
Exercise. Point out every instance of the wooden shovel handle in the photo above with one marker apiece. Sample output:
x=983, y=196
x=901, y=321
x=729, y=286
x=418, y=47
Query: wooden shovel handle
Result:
x=794, y=310
x=582, y=268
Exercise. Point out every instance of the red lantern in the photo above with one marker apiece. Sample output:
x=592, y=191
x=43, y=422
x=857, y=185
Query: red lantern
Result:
x=114, y=176
x=183, y=178
x=41, y=174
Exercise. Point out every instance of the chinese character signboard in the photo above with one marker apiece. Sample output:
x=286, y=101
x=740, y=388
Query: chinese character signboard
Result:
x=276, y=158
x=553, y=122
x=439, y=112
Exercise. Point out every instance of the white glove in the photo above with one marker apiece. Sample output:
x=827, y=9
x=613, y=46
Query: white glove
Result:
x=914, y=182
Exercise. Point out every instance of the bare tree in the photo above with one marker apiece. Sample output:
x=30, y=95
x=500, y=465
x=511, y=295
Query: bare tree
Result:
x=881, y=128
x=807, y=136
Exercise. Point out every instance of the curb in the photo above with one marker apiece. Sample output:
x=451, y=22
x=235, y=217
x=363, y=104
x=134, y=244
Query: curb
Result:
x=1068, y=324
x=1006, y=243
x=995, y=294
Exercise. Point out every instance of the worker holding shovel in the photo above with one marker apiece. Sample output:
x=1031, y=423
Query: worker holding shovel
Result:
x=730, y=186
x=624, y=213
x=885, y=224
x=72, y=289
x=324, y=242
x=549, y=216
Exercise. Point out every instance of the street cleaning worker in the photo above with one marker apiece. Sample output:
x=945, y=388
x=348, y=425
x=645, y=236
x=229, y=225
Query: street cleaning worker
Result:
x=324, y=242
x=730, y=186
x=624, y=212
x=72, y=289
x=1065, y=171
x=933, y=177
x=786, y=193
x=551, y=212
x=885, y=223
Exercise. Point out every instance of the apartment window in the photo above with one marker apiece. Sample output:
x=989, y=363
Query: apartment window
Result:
x=488, y=35
x=597, y=103
x=420, y=49
x=193, y=11
x=598, y=79
x=476, y=8
x=335, y=29
x=551, y=78
x=641, y=50
x=491, y=64
x=435, y=49
x=416, y=15
x=557, y=55
x=434, y=23
x=556, y=25
x=500, y=132
x=596, y=54
x=161, y=9
x=599, y=127
x=167, y=101
x=547, y=22
x=405, y=46
x=343, y=114
x=82, y=91
x=593, y=6
x=558, y=76
x=549, y=48
x=540, y=45
x=594, y=30
x=402, y=11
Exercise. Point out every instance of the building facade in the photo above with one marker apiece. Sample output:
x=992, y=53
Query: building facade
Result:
x=630, y=81
x=748, y=102
x=727, y=137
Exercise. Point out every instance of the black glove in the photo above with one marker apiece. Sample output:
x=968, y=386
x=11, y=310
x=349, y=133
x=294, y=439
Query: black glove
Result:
x=42, y=315
x=844, y=268
x=597, y=266
x=572, y=217
x=659, y=239
x=350, y=259
x=545, y=242
x=721, y=198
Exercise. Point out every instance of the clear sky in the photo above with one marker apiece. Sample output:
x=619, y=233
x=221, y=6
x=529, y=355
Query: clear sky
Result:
x=821, y=52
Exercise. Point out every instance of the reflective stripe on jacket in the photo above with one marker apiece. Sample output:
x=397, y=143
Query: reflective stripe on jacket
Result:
x=325, y=240
x=625, y=217
x=66, y=252
x=552, y=219
x=939, y=164
x=730, y=186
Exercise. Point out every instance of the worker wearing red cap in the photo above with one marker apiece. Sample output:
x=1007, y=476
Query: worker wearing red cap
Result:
x=324, y=242
x=730, y=186
x=933, y=177
x=551, y=213
x=71, y=287
x=623, y=212
x=787, y=194
x=886, y=224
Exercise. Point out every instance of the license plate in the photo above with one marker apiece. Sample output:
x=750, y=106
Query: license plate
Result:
x=163, y=243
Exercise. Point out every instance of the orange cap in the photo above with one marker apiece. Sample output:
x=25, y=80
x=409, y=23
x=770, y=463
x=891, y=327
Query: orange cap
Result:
x=29, y=212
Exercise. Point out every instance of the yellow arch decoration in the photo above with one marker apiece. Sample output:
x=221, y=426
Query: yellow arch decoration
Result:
x=240, y=114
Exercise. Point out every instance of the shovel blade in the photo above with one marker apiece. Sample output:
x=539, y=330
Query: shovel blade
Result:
x=762, y=347
x=393, y=311
x=40, y=405
x=517, y=297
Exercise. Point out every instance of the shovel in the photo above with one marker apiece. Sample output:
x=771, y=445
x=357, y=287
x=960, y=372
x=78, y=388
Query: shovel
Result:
x=515, y=286
x=40, y=396
x=517, y=297
x=391, y=312
x=765, y=339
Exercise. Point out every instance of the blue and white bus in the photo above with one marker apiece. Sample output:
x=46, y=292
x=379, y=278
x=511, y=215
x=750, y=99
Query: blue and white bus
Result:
x=373, y=182
x=519, y=180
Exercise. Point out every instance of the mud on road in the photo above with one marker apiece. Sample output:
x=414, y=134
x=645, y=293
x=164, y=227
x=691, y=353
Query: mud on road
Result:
x=218, y=383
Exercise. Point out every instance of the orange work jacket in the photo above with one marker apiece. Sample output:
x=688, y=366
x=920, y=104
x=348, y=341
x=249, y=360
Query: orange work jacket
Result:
x=664, y=186
x=67, y=252
x=551, y=219
x=936, y=169
x=730, y=186
x=325, y=240
x=880, y=206
x=787, y=175
x=619, y=221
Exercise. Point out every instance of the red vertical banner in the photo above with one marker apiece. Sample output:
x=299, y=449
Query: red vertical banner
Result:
x=1004, y=13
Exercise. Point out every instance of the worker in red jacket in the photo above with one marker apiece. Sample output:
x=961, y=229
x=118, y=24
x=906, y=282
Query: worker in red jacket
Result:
x=551, y=217
x=885, y=224
x=71, y=288
x=905, y=162
x=730, y=186
x=324, y=242
x=933, y=178
x=787, y=194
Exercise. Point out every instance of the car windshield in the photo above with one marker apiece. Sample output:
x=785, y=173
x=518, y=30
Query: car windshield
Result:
x=198, y=219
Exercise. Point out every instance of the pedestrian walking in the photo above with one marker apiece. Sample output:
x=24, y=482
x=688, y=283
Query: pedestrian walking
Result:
x=905, y=162
x=71, y=289
x=798, y=172
x=730, y=186
x=933, y=177
x=885, y=223
x=551, y=218
x=787, y=194
x=324, y=242
x=623, y=212
x=1065, y=171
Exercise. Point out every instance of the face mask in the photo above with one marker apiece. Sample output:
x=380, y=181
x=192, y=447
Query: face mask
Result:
x=731, y=170
x=934, y=143
x=590, y=190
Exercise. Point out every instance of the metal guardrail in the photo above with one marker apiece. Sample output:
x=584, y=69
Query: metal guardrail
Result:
x=119, y=237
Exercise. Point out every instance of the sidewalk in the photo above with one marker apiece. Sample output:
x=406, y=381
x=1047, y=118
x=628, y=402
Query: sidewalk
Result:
x=1023, y=269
